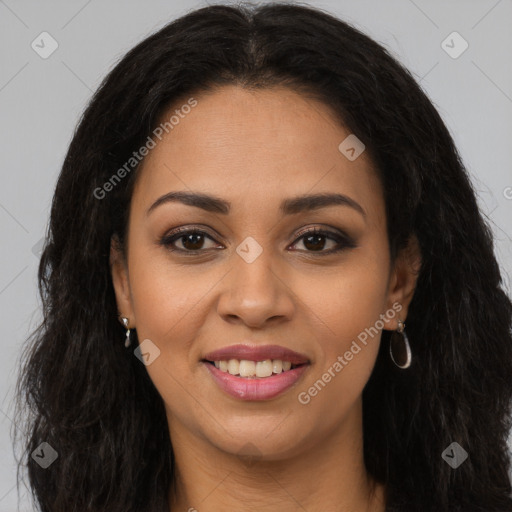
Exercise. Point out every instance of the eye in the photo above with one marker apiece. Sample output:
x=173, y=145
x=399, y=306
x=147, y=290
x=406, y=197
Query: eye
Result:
x=314, y=241
x=192, y=240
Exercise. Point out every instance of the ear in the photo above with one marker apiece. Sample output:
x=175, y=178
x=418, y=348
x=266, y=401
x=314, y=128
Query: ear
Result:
x=119, y=272
x=402, y=282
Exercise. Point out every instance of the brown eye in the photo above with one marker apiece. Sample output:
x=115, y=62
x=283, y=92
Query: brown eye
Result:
x=191, y=240
x=314, y=240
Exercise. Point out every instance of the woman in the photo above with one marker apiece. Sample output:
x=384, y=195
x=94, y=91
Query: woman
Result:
x=267, y=286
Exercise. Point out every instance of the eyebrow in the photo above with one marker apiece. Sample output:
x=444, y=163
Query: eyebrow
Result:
x=289, y=206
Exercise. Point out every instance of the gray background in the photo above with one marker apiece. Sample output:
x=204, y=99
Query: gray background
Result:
x=41, y=101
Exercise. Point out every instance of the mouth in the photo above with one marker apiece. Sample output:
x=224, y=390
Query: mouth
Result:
x=254, y=380
x=255, y=372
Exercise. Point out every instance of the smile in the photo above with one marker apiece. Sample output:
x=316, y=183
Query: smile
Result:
x=251, y=380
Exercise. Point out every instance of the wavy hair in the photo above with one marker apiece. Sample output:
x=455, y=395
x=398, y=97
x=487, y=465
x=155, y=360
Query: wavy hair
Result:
x=83, y=393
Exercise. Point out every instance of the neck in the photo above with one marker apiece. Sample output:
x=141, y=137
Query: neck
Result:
x=327, y=474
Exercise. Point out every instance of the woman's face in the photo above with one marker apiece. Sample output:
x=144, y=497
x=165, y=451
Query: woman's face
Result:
x=255, y=278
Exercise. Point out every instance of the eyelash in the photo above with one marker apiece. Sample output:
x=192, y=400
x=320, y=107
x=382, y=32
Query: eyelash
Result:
x=345, y=241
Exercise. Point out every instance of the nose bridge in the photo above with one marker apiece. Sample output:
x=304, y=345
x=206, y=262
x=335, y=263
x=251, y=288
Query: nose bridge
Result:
x=254, y=268
x=254, y=290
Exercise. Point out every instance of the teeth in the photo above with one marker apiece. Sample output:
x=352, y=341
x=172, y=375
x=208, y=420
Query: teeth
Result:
x=233, y=366
x=261, y=369
x=247, y=368
x=264, y=368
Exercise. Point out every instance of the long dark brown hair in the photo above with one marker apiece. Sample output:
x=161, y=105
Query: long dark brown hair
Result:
x=81, y=392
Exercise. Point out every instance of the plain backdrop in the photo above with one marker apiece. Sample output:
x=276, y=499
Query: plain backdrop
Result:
x=41, y=100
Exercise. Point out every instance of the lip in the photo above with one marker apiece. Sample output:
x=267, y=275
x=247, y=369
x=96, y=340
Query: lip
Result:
x=256, y=353
x=255, y=388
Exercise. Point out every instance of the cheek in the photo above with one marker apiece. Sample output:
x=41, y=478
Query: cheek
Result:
x=165, y=295
x=349, y=305
x=169, y=312
x=351, y=298
x=171, y=307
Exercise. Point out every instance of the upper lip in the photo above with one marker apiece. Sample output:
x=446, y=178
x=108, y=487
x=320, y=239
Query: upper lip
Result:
x=256, y=353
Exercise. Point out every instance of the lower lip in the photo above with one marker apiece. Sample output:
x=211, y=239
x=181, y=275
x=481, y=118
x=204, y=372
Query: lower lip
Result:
x=256, y=388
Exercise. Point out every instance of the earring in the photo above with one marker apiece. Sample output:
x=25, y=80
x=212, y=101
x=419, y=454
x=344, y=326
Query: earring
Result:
x=399, y=347
x=128, y=341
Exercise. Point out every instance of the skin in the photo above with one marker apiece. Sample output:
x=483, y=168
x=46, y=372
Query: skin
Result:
x=254, y=149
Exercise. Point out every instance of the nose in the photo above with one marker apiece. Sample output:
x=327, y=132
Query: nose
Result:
x=256, y=293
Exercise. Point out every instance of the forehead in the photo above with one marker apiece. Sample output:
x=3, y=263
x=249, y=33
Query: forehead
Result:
x=264, y=144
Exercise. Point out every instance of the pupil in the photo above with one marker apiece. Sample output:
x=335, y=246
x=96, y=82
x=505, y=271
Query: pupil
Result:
x=318, y=245
x=192, y=238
